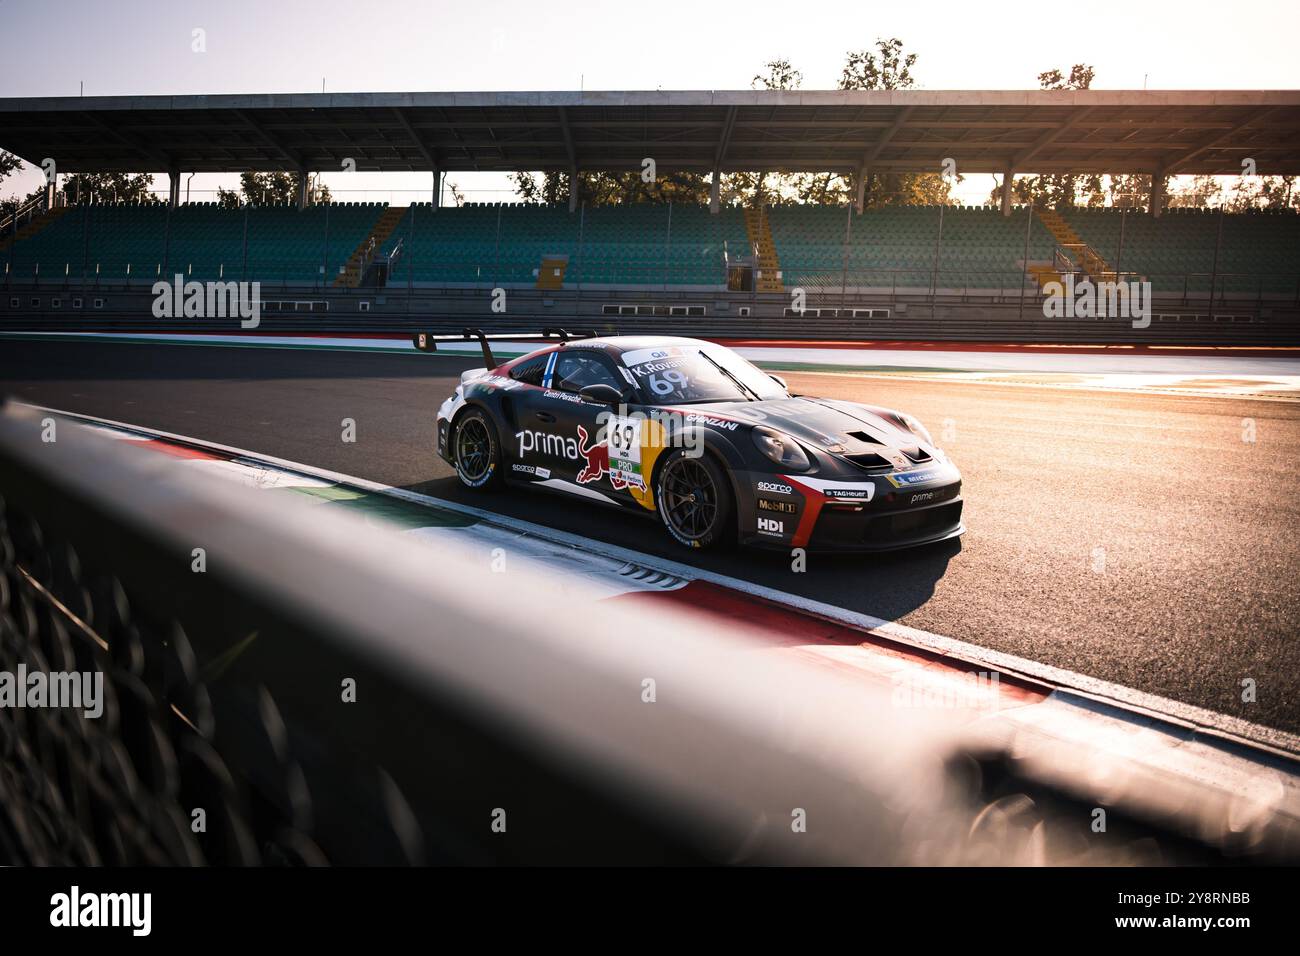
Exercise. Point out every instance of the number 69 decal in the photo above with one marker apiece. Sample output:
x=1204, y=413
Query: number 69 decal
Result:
x=666, y=383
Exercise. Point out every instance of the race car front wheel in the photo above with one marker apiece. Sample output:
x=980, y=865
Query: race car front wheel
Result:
x=478, y=452
x=694, y=500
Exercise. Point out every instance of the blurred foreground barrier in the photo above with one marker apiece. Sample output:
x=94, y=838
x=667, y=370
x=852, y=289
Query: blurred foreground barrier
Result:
x=279, y=685
x=325, y=692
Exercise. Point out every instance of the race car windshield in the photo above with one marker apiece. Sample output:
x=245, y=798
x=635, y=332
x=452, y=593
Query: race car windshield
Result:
x=681, y=375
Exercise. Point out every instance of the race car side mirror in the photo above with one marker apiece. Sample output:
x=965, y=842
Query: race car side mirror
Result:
x=600, y=392
x=780, y=381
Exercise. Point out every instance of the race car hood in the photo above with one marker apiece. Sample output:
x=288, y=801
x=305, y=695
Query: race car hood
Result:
x=825, y=423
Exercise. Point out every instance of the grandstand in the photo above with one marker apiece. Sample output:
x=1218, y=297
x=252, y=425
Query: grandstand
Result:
x=962, y=265
x=198, y=240
x=819, y=248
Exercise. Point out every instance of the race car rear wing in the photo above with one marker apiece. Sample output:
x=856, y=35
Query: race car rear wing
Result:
x=428, y=341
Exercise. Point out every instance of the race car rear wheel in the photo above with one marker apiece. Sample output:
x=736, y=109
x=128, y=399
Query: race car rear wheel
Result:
x=694, y=500
x=478, y=452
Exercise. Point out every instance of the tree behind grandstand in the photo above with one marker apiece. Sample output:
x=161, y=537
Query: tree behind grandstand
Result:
x=268, y=189
x=886, y=67
x=81, y=188
x=1133, y=190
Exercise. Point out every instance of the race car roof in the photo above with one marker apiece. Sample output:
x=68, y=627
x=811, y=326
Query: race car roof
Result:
x=630, y=343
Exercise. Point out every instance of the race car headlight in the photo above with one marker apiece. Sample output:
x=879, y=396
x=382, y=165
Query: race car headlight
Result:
x=782, y=449
x=916, y=428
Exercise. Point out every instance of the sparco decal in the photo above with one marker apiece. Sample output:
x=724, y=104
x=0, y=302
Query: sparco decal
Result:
x=775, y=488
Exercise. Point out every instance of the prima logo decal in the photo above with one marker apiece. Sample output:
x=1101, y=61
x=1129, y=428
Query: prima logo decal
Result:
x=922, y=496
x=547, y=443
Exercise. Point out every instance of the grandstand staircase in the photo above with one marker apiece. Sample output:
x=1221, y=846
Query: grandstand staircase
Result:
x=355, y=268
x=550, y=275
x=1083, y=255
x=759, y=229
x=31, y=227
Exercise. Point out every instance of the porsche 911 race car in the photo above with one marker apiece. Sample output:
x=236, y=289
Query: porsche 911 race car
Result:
x=688, y=430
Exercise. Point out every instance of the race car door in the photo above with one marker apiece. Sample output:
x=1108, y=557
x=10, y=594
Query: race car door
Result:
x=584, y=420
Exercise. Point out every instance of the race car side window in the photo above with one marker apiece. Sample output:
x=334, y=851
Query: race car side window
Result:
x=574, y=371
x=530, y=372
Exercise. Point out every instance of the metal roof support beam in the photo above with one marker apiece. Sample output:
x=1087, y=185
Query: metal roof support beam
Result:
x=424, y=150
x=1171, y=166
x=720, y=154
x=437, y=186
x=136, y=144
x=863, y=177
x=573, y=188
x=292, y=161
x=1159, y=183
x=1051, y=136
x=879, y=145
x=302, y=188
x=724, y=139
x=569, y=148
x=173, y=187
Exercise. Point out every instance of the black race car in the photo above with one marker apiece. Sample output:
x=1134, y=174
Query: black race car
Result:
x=689, y=430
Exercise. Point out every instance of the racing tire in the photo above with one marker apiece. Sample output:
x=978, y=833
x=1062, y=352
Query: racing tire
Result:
x=694, y=499
x=477, y=451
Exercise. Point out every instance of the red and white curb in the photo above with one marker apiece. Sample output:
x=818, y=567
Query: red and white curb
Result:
x=1221, y=767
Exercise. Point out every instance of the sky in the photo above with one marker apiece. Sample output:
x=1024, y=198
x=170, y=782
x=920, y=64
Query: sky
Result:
x=117, y=47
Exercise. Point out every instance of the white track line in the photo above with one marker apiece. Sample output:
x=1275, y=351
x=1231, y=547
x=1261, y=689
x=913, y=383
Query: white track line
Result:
x=1125, y=700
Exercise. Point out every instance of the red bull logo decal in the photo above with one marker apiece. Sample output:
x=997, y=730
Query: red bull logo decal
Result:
x=597, y=457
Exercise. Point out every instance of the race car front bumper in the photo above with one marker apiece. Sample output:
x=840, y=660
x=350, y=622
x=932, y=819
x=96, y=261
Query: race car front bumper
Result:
x=874, y=513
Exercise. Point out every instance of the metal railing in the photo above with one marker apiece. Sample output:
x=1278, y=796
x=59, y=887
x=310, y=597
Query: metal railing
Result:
x=28, y=210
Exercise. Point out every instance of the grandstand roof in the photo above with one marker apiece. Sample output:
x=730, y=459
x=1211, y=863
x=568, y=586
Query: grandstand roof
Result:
x=1178, y=132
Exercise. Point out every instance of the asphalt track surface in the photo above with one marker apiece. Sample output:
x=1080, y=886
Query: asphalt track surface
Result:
x=1133, y=537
